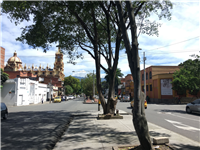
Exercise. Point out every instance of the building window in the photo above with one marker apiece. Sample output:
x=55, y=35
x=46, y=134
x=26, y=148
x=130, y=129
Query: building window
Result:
x=146, y=76
x=43, y=72
x=151, y=87
x=147, y=88
x=50, y=72
x=22, y=81
x=143, y=88
x=35, y=72
x=150, y=75
x=142, y=77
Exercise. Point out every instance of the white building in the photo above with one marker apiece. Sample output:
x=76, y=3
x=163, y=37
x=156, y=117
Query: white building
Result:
x=23, y=91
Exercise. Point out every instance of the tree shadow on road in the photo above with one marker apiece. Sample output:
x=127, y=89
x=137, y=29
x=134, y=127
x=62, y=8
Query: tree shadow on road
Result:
x=33, y=129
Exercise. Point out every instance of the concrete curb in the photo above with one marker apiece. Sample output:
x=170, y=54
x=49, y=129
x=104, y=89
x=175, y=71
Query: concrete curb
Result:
x=57, y=134
x=90, y=103
x=135, y=146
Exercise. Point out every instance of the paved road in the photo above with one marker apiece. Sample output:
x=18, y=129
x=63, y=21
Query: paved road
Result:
x=37, y=126
x=171, y=117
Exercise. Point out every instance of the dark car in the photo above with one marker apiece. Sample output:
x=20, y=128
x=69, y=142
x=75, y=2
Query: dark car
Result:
x=193, y=106
x=4, y=111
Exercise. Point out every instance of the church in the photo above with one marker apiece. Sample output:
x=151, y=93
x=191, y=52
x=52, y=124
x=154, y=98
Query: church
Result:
x=53, y=78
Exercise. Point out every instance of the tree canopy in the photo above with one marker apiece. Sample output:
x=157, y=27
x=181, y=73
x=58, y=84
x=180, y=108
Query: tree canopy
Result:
x=74, y=83
x=68, y=90
x=87, y=85
x=187, y=78
x=4, y=77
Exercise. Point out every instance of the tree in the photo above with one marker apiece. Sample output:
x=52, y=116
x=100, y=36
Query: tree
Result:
x=68, y=90
x=4, y=77
x=180, y=81
x=104, y=86
x=117, y=79
x=187, y=78
x=131, y=45
x=74, y=83
x=87, y=85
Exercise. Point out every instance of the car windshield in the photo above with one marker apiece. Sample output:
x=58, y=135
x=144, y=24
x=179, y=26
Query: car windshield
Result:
x=57, y=97
x=70, y=95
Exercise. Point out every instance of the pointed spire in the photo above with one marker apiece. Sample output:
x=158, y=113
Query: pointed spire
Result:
x=25, y=67
x=40, y=67
x=15, y=54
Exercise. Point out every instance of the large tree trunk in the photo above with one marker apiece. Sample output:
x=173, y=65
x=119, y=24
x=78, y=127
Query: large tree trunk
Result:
x=112, y=102
x=139, y=119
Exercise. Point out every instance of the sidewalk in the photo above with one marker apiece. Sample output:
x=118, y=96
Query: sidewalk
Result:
x=86, y=132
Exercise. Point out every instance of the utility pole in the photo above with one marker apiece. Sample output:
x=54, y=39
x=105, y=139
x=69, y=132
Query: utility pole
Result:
x=144, y=58
x=93, y=85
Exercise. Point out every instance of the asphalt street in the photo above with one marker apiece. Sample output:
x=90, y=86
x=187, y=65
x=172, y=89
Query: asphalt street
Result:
x=171, y=117
x=36, y=126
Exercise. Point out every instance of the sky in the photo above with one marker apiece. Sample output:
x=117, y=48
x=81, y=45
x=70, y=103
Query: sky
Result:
x=177, y=40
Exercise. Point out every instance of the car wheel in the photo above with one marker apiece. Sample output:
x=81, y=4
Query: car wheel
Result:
x=145, y=107
x=5, y=116
x=188, y=110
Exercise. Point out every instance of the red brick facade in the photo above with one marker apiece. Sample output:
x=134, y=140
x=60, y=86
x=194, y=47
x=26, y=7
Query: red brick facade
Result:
x=2, y=57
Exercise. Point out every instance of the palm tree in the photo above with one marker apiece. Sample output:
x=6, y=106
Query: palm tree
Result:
x=117, y=79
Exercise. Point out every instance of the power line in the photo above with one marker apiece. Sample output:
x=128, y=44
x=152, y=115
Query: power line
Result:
x=174, y=43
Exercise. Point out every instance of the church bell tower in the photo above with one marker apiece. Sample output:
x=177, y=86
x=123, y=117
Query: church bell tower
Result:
x=59, y=65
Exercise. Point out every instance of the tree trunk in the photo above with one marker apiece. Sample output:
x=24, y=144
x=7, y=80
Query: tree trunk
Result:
x=111, y=103
x=139, y=119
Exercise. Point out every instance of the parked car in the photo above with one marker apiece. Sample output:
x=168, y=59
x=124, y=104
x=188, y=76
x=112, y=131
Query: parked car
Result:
x=57, y=99
x=132, y=104
x=193, y=106
x=70, y=97
x=125, y=98
x=4, y=111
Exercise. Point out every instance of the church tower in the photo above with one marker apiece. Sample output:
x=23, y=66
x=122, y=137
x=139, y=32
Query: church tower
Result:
x=59, y=65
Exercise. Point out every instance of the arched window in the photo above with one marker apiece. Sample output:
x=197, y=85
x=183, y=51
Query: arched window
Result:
x=150, y=75
x=146, y=76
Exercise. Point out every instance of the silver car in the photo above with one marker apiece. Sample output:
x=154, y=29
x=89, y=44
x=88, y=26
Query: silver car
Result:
x=193, y=106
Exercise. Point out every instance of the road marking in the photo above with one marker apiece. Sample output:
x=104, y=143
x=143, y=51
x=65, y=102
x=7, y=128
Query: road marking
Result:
x=178, y=116
x=182, y=126
x=186, y=118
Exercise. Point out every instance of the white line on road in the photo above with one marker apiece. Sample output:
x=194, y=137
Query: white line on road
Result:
x=179, y=116
x=186, y=118
x=183, y=126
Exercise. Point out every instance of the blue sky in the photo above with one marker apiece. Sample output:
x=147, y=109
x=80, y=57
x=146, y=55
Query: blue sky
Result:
x=161, y=50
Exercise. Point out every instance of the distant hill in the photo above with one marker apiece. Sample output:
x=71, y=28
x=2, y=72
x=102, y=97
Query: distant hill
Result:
x=102, y=79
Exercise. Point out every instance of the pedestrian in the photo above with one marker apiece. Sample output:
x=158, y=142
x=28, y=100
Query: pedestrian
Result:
x=42, y=100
